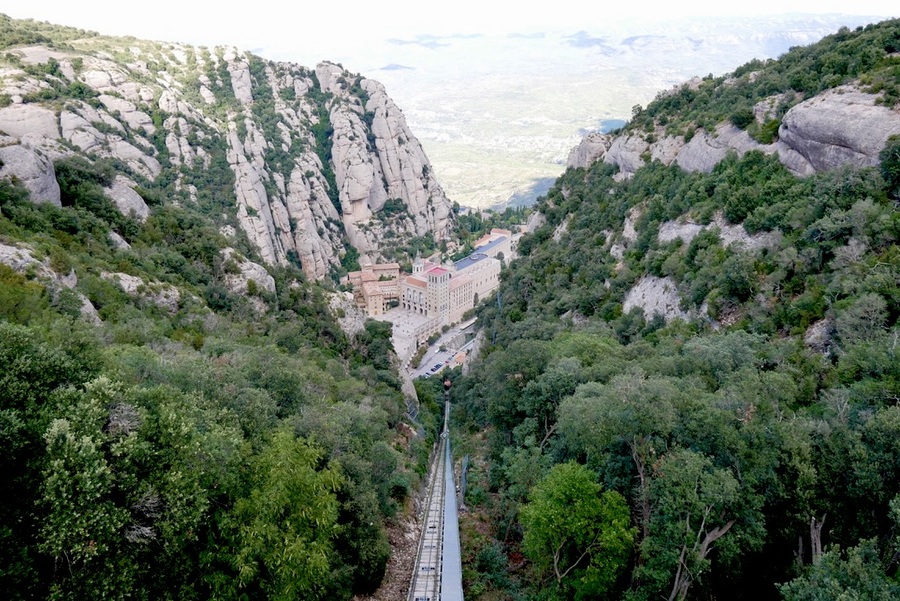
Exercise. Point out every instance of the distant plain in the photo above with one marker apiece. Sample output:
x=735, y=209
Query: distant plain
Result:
x=498, y=115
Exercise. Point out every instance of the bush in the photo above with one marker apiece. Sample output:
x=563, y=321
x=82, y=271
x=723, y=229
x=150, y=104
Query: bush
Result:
x=890, y=165
x=742, y=118
x=767, y=132
x=20, y=300
x=417, y=358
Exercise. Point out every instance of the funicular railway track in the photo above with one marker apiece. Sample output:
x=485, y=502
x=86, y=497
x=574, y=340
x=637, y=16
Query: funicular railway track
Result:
x=426, y=579
x=437, y=575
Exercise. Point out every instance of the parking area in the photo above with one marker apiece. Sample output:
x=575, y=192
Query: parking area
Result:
x=436, y=360
x=405, y=324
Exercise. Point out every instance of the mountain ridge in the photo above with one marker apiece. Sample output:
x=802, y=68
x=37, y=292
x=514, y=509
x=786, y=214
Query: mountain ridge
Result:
x=844, y=118
x=314, y=155
x=713, y=350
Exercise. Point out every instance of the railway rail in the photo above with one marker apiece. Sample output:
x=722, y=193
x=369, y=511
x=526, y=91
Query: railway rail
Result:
x=437, y=574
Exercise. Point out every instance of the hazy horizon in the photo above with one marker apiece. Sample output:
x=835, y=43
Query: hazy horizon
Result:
x=497, y=101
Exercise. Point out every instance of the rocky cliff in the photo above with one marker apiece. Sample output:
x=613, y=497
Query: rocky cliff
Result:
x=306, y=163
x=841, y=126
x=819, y=107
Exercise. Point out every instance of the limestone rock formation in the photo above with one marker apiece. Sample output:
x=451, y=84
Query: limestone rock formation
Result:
x=118, y=241
x=655, y=296
x=126, y=199
x=304, y=162
x=21, y=119
x=593, y=147
x=246, y=271
x=162, y=295
x=685, y=229
x=841, y=126
x=33, y=169
x=562, y=229
x=819, y=336
x=705, y=150
x=383, y=164
x=349, y=316
x=22, y=260
x=627, y=152
x=535, y=220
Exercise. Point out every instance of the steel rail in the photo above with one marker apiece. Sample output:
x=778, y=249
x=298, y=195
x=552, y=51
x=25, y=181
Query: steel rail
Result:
x=425, y=584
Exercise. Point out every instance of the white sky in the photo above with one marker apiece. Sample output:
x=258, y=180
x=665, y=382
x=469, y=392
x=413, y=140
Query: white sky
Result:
x=318, y=27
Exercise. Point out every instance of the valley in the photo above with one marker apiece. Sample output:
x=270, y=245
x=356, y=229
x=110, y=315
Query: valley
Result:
x=498, y=115
x=683, y=383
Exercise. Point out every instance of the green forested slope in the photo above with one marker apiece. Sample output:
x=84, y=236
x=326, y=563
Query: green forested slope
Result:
x=751, y=448
x=867, y=56
x=259, y=145
x=225, y=446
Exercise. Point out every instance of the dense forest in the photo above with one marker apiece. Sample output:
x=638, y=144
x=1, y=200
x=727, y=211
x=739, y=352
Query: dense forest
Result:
x=190, y=441
x=747, y=447
x=178, y=421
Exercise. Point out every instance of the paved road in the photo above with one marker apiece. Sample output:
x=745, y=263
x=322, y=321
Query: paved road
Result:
x=435, y=356
x=404, y=323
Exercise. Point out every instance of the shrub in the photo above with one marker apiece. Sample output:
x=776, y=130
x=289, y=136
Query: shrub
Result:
x=742, y=118
x=890, y=165
x=767, y=132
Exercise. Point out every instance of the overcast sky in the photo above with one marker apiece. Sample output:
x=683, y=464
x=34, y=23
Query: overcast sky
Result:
x=320, y=28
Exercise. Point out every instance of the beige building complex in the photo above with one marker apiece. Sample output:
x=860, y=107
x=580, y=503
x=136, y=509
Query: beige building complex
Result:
x=376, y=287
x=439, y=293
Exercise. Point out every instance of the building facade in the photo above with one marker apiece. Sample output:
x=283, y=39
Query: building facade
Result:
x=376, y=287
x=442, y=293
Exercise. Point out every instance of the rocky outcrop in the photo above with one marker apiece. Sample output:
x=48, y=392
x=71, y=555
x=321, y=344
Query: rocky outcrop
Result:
x=655, y=296
x=535, y=220
x=705, y=150
x=628, y=153
x=164, y=296
x=820, y=336
x=186, y=117
x=685, y=229
x=32, y=169
x=21, y=119
x=839, y=127
x=629, y=231
x=842, y=126
x=767, y=108
x=593, y=147
x=127, y=111
x=126, y=199
x=681, y=229
x=562, y=229
x=240, y=271
x=349, y=316
x=21, y=260
x=118, y=242
x=379, y=163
